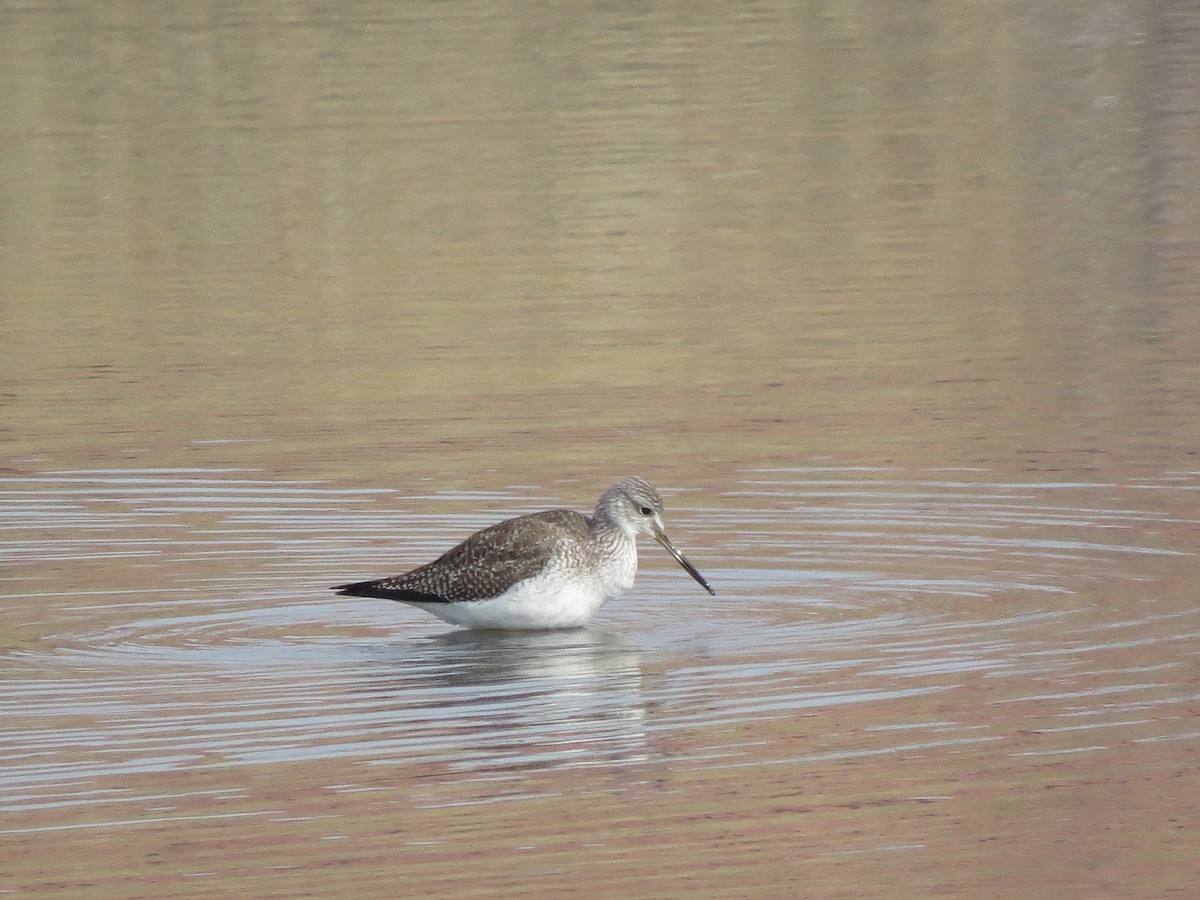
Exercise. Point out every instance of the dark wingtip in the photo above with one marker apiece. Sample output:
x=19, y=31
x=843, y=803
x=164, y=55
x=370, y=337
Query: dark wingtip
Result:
x=374, y=590
x=358, y=589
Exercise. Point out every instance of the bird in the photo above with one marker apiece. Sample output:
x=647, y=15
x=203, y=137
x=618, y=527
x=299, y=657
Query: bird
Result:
x=543, y=571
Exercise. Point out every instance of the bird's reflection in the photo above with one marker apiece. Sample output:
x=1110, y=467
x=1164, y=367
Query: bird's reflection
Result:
x=588, y=658
x=517, y=699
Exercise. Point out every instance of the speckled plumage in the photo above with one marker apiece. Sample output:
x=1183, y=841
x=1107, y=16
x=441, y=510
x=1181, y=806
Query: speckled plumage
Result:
x=486, y=564
x=551, y=569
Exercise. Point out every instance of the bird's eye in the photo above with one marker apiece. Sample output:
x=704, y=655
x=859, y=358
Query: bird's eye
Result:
x=646, y=511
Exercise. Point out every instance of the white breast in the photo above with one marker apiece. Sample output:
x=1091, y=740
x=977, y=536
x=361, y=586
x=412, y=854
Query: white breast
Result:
x=560, y=596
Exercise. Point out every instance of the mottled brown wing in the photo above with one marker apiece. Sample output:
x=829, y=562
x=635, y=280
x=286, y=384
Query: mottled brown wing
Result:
x=484, y=565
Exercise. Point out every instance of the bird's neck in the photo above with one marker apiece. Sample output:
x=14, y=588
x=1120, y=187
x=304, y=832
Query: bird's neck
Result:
x=610, y=532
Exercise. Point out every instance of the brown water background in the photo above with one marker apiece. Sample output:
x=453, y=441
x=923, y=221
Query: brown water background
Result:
x=897, y=303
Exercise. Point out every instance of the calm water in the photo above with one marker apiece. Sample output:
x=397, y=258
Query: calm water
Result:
x=897, y=306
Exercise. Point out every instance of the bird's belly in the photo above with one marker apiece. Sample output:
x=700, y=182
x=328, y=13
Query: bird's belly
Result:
x=549, y=600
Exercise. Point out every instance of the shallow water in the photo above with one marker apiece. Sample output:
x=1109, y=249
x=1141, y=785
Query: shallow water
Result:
x=947, y=622
x=897, y=306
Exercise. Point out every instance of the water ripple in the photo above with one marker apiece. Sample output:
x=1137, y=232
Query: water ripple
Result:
x=197, y=632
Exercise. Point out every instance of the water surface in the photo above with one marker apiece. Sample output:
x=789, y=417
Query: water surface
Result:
x=896, y=304
x=943, y=631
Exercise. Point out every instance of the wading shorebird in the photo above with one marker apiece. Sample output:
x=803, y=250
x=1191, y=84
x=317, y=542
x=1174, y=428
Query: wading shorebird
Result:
x=551, y=569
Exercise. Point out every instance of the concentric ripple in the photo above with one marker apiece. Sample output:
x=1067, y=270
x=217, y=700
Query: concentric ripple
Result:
x=182, y=621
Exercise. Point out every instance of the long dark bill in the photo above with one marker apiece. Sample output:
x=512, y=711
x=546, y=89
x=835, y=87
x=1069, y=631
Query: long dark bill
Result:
x=662, y=538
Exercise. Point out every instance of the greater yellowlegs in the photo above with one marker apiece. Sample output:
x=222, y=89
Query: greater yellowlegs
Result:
x=551, y=569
